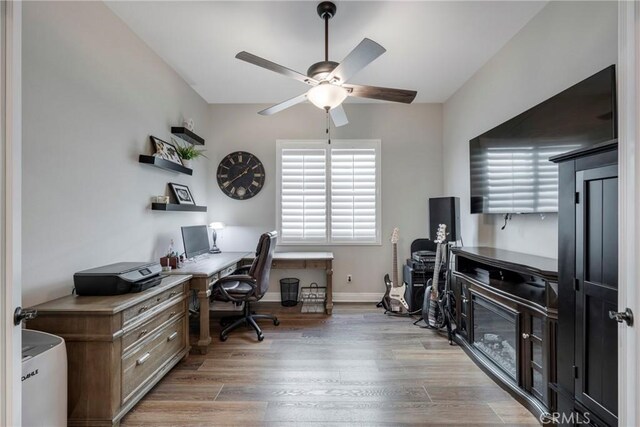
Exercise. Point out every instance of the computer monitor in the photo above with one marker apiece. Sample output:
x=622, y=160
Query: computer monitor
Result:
x=196, y=240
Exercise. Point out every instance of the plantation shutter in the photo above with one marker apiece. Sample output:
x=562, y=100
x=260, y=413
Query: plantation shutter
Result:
x=303, y=195
x=354, y=195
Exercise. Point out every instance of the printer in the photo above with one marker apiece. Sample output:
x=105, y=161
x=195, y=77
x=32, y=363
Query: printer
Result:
x=119, y=278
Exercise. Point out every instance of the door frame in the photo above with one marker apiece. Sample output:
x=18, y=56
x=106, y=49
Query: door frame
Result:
x=629, y=208
x=10, y=210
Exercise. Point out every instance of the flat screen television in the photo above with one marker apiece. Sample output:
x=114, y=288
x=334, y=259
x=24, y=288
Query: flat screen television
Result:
x=510, y=167
x=196, y=240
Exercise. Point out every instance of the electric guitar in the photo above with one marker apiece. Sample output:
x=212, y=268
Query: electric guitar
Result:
x=395, y=293
x=434, y=313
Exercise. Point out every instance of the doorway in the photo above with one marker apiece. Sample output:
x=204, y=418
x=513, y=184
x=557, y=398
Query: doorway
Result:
x=10, y=209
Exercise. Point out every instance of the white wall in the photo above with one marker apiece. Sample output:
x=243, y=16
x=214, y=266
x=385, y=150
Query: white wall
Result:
x=93, y=92
x=411, y=173
x=562, y=45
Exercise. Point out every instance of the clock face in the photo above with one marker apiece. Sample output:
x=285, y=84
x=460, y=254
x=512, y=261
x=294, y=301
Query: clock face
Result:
x=240, y=175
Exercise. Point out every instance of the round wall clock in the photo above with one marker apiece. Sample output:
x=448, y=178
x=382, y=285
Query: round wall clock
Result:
x=240, y=175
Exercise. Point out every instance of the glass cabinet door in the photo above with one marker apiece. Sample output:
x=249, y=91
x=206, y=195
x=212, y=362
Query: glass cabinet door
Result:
x=533, y=344
x=461, y=289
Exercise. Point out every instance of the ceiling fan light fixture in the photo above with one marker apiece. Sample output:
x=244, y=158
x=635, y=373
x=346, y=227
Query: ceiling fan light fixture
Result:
x=327, y=96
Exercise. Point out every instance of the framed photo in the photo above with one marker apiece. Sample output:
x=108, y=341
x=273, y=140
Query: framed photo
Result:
x=166, y=150
x=182, y=194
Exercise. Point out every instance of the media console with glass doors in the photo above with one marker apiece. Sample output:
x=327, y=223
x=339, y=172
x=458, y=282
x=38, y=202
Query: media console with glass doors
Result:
x=507, y=320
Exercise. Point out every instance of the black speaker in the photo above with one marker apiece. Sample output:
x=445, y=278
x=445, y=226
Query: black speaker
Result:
x=414, y=294
x=445, y=210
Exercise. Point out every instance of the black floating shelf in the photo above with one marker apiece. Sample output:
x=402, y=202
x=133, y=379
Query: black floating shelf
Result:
x=177, y=208
x=164, y=164
x=187, y=135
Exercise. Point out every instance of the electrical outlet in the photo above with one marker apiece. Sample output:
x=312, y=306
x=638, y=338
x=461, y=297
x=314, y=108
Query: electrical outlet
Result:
x=348, y=278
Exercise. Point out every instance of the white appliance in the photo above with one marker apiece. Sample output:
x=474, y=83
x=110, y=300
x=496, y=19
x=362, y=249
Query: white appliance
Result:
x=44, y=380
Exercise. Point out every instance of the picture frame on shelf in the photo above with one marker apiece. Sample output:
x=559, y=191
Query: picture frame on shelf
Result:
x=166, y=150
x=182, y=194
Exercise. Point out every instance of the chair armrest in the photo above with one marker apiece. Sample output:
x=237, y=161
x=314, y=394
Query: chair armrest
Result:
x=236, y=278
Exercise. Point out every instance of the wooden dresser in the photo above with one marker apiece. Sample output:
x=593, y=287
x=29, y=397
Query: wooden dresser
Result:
x=118, y=347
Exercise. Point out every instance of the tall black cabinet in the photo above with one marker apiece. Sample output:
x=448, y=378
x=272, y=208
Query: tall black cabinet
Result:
x=588, y=286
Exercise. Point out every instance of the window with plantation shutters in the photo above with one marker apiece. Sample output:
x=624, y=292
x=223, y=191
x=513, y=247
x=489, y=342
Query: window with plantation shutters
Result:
x=329, y=193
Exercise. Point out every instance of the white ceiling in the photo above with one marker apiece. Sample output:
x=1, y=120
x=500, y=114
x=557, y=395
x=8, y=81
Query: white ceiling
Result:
x=432, y=47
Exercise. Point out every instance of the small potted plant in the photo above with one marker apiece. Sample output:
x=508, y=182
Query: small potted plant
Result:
x=187, y=153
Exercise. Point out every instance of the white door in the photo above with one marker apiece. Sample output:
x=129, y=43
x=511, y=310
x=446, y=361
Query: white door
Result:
x=10, y=212
x=629, y=216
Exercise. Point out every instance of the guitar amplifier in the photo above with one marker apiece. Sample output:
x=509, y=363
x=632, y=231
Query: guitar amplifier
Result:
x=421, y=266
x=424, y=256
x=416, y=282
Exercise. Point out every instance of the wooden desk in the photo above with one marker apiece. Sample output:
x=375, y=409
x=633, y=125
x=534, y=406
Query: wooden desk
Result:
x=118, y=347
x=205, y=271
x=307, y=260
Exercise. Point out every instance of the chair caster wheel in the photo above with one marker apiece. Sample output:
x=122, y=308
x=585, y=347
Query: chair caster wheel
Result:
x=223, y=337
x=276, y=322
x=261, y=337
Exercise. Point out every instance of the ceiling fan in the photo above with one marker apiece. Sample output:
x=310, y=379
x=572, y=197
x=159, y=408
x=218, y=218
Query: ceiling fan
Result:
x=329, y=79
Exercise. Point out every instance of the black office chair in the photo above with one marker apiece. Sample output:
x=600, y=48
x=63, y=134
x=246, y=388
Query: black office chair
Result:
x=247, y=285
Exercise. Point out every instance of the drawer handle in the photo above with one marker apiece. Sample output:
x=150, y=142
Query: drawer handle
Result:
x=172, y=336
x=173, y=313
x=173, y=294
x=143, y=333
x=143, y=309
x=143, y=359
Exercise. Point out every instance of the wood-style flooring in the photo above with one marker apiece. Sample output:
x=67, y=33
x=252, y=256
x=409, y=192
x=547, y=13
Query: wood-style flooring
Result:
x=355, y=368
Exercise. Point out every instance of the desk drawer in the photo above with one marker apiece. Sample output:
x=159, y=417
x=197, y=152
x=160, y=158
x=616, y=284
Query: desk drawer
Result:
x=147, y=305
x=222, y=273
x=139, y=366
x=227, y=271
x=317, y=263
x=288, y=263
x=149, y=327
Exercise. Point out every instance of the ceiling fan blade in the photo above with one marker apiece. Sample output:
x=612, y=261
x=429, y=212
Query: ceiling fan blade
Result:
x=383, y=93
x=264, y=63
x=283, y=105
x=356, y=60
x=338, y=116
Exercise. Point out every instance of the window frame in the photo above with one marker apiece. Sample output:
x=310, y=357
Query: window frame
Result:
x=376, y=144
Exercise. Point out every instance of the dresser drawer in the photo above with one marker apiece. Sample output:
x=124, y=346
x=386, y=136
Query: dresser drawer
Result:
x=139, y=365
x=130, y=314
x=149, y=327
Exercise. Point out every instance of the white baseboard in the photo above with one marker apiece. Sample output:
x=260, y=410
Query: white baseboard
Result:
x=337, y=297
x=357, y=296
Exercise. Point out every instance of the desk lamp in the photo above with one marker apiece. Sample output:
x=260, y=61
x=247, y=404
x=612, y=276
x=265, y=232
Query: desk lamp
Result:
x=215, y=226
